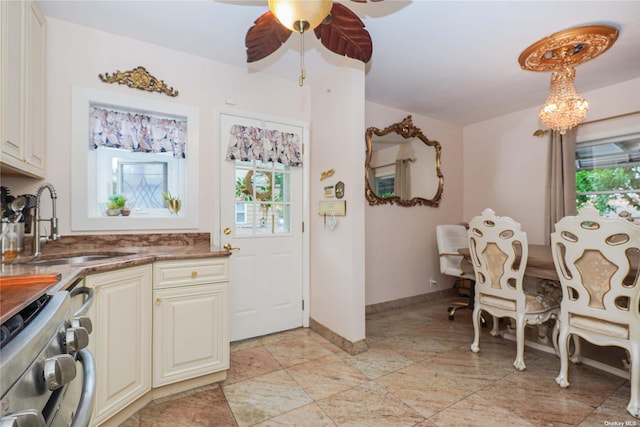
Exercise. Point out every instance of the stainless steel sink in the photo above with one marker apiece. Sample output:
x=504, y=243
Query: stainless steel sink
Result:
x=79, y=259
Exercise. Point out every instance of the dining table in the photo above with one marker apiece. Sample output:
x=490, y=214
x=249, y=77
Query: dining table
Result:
x=540, y=262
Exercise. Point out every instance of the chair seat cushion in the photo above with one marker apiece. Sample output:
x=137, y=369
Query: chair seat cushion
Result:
x=599, y=326
x=533, y=303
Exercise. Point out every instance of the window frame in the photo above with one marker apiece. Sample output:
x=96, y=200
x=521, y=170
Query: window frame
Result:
x=595, y=137
x=84, y=173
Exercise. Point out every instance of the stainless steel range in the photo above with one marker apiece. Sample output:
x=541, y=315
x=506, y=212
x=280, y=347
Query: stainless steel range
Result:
x=47, y=376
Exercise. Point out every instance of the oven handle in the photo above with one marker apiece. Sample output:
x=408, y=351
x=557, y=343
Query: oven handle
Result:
x=80, y=290
x=85, y=406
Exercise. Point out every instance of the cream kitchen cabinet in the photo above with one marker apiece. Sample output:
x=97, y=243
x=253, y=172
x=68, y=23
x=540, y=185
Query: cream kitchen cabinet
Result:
x=22, y=88
x=121, y=337
x=190, y=319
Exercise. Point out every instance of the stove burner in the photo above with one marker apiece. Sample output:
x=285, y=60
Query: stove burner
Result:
x=15, y=324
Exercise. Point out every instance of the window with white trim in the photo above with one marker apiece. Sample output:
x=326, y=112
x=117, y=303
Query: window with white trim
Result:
x=608, y=175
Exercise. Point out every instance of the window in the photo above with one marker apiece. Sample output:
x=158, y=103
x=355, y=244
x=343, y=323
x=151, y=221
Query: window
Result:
x=141, y=178
x=103, y=168
x=263, y=190
x=608, y=174
x=385, y=185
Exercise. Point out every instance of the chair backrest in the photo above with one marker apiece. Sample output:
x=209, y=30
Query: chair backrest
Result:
x=450, y=238
x=499, y=252
x=597, y=262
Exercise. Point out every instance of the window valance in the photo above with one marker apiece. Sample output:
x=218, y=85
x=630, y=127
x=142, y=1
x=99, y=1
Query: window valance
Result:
x=248, y=143
x=135, y=131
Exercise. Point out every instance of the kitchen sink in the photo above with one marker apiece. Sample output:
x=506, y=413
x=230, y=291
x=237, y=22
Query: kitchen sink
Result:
x=78, y=259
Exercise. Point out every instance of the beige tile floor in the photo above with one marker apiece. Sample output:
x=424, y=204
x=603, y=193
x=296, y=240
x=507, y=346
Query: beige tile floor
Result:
x=418, y=371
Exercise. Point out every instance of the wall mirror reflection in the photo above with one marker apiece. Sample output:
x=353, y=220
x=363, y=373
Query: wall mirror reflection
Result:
x=402, y=166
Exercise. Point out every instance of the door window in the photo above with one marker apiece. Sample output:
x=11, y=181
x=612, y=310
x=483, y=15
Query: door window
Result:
x=264, y=190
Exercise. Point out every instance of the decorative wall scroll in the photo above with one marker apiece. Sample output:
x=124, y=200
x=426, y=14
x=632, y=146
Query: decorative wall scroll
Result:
x=253, y=143
x=138, y=78
x=327, y=174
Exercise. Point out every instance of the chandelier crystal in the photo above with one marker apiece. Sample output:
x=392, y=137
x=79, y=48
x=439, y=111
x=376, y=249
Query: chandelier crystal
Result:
x=564, y=108
x=560, y=53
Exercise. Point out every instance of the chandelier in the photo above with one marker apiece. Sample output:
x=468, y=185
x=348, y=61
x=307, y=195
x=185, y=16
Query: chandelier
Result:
x=560, y=53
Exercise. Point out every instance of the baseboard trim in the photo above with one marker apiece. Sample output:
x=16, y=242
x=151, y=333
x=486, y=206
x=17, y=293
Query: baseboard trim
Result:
x=404, y=302
x=350, y=347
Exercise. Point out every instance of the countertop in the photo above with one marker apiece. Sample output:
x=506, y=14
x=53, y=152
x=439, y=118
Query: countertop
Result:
x=13, y=297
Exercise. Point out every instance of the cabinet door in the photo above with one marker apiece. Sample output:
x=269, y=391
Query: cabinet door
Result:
x=12, y=81
x=22, y=87
x=190, y=332
x=35, y=93
x=121, y=340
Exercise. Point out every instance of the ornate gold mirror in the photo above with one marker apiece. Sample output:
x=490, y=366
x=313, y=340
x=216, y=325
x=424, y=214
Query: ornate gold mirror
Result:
x=402, y=166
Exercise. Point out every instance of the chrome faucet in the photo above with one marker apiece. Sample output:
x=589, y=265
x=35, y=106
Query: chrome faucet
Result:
x=54, y=220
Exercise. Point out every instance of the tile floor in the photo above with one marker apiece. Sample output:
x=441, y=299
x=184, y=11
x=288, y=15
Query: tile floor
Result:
x=418, y=371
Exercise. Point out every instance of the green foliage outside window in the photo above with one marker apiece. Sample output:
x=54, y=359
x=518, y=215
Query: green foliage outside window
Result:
x=625, y=181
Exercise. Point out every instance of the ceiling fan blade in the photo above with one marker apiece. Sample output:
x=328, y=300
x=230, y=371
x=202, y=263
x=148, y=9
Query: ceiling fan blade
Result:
x=363, y=1
x=345, y=35
x=265, y=37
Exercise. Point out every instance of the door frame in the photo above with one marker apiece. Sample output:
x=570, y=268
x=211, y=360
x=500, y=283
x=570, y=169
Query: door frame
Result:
x=216, y=234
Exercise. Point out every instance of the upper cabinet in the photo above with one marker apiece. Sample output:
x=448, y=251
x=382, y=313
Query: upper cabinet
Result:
x=22, y=88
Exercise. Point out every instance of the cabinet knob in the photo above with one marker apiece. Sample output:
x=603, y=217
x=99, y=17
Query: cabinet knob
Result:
x=158, y=301
x=194, y=274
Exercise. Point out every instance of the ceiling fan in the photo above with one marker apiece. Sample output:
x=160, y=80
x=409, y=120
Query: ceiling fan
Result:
x=335, y=25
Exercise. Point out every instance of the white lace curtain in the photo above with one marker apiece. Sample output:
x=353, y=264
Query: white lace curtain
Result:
x=134, y=131
x=248, y=143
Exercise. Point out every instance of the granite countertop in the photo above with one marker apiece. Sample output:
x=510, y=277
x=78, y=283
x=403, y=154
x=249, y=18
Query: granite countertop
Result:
x=123, y=252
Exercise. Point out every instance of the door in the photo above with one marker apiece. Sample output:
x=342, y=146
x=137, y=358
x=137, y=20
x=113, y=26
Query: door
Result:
x=261, y=219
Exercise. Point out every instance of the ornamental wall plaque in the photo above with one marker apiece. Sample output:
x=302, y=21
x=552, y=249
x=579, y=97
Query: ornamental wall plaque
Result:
x=138, y=78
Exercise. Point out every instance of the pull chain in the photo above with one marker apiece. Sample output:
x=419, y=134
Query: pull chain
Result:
x=302, y=71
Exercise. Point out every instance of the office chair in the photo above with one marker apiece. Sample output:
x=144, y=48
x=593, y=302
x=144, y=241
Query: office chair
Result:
x=450, y=238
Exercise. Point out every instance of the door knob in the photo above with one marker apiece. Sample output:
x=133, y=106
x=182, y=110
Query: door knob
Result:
x=228, y=247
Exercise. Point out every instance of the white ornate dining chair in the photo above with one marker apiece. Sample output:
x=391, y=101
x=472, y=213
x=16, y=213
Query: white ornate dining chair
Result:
x=594, y=256
x=450, y=238
x=499, y=254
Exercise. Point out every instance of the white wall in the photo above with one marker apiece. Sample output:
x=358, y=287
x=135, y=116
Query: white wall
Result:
x=76, y=55
x=505, y=165
x=401, y=254
x=337, y=256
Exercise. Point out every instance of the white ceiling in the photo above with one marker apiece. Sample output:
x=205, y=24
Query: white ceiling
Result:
x=455, y=61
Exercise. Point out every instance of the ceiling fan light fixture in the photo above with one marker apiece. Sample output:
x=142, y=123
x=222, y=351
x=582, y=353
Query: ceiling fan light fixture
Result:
x=564, y=108
x=300, y=15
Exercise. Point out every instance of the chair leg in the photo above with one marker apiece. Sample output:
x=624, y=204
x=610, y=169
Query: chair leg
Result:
x=563, y=344
x=455, y=307
x=634, y=402
x=475, y=346
x=519, y=362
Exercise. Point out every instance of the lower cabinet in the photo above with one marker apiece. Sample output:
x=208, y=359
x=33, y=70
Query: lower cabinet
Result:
x=121, y=339
x=190, y=319
x=156, y=325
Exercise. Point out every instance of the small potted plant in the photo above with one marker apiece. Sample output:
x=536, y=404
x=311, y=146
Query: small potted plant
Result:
x=173, y=202
x=116, y=204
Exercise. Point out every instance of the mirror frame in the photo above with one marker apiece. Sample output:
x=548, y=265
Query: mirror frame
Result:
x=407, y=130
